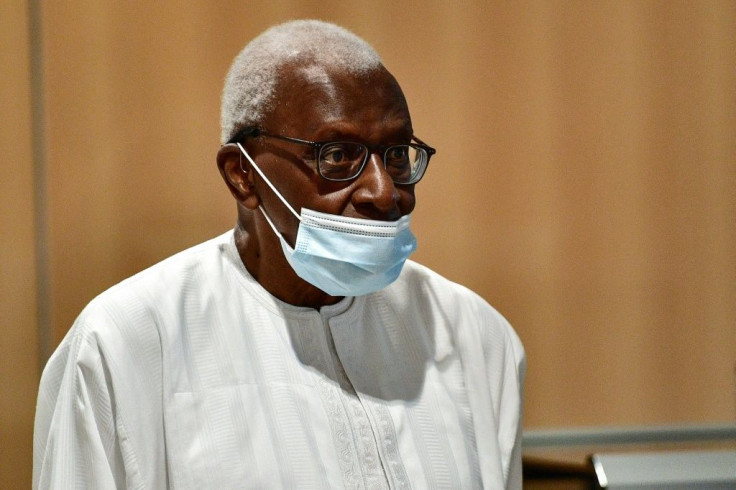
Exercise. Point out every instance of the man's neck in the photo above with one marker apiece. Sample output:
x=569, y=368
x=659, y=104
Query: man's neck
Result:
x=265, y=261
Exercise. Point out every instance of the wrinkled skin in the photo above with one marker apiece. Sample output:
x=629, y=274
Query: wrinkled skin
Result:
x=314, y=103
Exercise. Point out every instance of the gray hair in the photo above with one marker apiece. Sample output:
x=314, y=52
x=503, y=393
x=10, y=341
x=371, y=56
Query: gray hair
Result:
x=250, y=84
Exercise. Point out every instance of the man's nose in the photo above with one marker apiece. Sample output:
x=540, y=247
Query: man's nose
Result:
x=376, y=189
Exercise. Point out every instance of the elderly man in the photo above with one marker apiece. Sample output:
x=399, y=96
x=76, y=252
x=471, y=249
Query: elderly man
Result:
x=301, y=349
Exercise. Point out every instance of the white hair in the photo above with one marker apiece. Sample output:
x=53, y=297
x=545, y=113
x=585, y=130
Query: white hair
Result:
x=250, y=84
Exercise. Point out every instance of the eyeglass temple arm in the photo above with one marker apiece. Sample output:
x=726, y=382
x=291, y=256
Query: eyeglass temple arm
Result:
x=429, y=149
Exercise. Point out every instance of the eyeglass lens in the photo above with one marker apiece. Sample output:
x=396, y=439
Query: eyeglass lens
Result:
x=344, y=160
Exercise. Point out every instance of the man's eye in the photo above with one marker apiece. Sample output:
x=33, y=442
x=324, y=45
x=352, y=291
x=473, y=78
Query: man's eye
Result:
x=342, y=153
x=397, y=156
x=398, y=153
x=333, y=155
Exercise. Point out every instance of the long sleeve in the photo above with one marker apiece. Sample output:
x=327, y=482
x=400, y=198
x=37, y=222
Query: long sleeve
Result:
x=99, y=414
x=511, y=411
x=76, y=442
x=494, y=367
x=505, y=369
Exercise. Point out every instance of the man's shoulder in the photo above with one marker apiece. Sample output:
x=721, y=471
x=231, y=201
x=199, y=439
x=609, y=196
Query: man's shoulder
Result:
x=180, y=266
x=419, y=286
x=419, y=279
x=160, y=284
x=128, y=321
x=438, y=300
x=425, y=299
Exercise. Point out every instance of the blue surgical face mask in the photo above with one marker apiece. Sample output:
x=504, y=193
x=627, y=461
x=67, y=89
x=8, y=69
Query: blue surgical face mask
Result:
x=344, y=256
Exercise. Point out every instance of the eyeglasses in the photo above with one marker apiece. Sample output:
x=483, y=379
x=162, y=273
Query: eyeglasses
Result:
x=344, y=160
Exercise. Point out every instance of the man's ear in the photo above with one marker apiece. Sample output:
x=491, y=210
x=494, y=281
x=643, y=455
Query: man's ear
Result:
x=238, y=175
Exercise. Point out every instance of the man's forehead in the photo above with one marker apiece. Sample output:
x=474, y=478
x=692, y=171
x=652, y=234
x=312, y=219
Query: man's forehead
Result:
x=337, y=98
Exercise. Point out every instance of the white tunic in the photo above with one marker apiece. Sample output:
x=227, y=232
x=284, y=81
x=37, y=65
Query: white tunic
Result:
x=191, y=375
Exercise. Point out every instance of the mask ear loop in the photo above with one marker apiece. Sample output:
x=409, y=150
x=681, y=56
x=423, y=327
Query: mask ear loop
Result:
x=263, y=211
x=245, y=172
x=265, y=179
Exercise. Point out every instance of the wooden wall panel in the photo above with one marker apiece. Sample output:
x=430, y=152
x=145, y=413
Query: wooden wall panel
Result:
x=19, y=356
x=584, y=183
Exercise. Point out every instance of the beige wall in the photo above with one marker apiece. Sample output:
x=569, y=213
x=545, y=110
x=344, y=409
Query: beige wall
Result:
x=585, y=181
x=19, y=346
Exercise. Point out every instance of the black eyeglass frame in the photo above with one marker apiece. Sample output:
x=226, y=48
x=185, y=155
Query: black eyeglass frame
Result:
x=253, y=132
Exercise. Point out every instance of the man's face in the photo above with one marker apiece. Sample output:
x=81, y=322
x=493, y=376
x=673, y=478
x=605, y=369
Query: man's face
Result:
x=319, y=104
